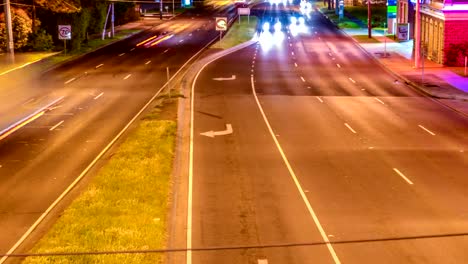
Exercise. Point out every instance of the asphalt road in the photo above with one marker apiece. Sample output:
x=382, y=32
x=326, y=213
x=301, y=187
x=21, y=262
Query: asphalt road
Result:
x=100, y=93
x=325, y=146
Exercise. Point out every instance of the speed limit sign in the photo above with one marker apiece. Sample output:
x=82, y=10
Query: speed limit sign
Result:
x=64, y=32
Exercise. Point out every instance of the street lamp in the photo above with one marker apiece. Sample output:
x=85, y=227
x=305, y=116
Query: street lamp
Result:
x=369, y=22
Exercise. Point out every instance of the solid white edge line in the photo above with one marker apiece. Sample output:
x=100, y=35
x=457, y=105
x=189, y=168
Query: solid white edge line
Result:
x=95, y=98
x=320, y=99
x=403, y=176
x=87, y=169
x=128, y=76
x=54, y=127
x=380, y=101
x=427, y=130
x=294, y=177
x=350, y=128
x=69, y=81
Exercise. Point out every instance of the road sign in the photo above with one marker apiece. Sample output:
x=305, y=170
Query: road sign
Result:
x=64, y=31
x=221, y=23
x=243, y=11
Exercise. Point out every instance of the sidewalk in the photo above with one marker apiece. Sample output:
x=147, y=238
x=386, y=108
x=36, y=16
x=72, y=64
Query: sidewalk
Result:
x=433, y=79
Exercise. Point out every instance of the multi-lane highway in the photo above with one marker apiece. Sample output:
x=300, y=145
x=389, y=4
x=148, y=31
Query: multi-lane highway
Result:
x=318, y=155
x=76, y=111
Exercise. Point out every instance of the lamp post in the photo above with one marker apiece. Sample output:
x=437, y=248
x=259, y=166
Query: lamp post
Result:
x=417, y=35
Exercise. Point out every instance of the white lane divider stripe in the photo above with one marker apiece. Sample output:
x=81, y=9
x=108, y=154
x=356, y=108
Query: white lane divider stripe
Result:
x=302, y=78
x=350, y=128
x=320, y=99
x=380, y=101
x=338, y=65
x=292, y=53
x=69, y=81
x=148, y=62
x=54, y=127
x=403, y=176
x=295, y=64
x=166, y=51
x=351, y=79
x=427, y=130
x=262, y=261
x=98, y=96
x=132, y=49
x=99, y=66
x=121, y=54
x=295, y=179
x=128, y=76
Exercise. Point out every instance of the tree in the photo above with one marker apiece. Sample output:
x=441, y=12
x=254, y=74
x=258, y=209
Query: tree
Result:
x=22, y=28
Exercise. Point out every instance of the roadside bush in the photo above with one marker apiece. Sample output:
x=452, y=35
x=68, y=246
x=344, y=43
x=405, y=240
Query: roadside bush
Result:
x=455, y=54
x=22, y=28
x=41, y=41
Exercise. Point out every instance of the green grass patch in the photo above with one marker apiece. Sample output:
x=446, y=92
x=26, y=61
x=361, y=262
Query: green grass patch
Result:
x=348, y=24
x=238, y=33
x=125, y=207
x=365, y=39
x=22, y=58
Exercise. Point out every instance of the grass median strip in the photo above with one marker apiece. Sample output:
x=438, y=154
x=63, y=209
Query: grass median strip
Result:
x=125, y=206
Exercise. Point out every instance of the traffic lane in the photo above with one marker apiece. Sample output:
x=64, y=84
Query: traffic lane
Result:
x=366, y=200
x=243, y=193
x=361, y=73
x=37, y=172
x=412, y=122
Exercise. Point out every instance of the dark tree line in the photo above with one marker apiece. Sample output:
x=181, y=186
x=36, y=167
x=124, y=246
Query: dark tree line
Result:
x=35, y=22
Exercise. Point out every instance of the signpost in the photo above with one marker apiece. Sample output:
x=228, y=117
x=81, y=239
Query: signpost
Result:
x=221, y=25
x=244, y=11
x=64, y=32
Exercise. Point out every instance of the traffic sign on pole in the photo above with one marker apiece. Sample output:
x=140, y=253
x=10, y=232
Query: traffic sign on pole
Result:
x=221, y=23
x=64, y=31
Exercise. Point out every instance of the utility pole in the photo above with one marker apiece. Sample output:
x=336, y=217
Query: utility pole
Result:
x=9, y=28
x=161, y=9
x=369, y=20
x=112, y=21
x=417, y=35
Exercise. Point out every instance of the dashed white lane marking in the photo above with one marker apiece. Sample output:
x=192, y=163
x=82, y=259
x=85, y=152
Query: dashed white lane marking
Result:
x=292, y=53
x=295, y=179
x=302, y=78
x=262, y=261
x=295, y=64
x=148, y=62
x=132, y=49
x=99, y=66
x=330, y=54
x=427, y=130
x=380, y=101
x=351, y=79
x=128, y=76
x=69, y=81
x=166, y=51
x=95, y=98
x=338, y=65
x=180, y=41
x=320, y=99
x=350, y=128
x=54, y=127
x=190, y=34
x=290, y=45
x=403, y=176
x=121, y=54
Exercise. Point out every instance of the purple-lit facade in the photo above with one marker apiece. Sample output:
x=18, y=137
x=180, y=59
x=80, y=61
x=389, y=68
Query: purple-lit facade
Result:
x=443, y=23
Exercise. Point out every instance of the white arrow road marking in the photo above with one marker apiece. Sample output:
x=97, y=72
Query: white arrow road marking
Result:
x=233, y=77
x=212, y=133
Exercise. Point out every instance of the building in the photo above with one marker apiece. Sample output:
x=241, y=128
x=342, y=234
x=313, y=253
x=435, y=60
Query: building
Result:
x=444, y=24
